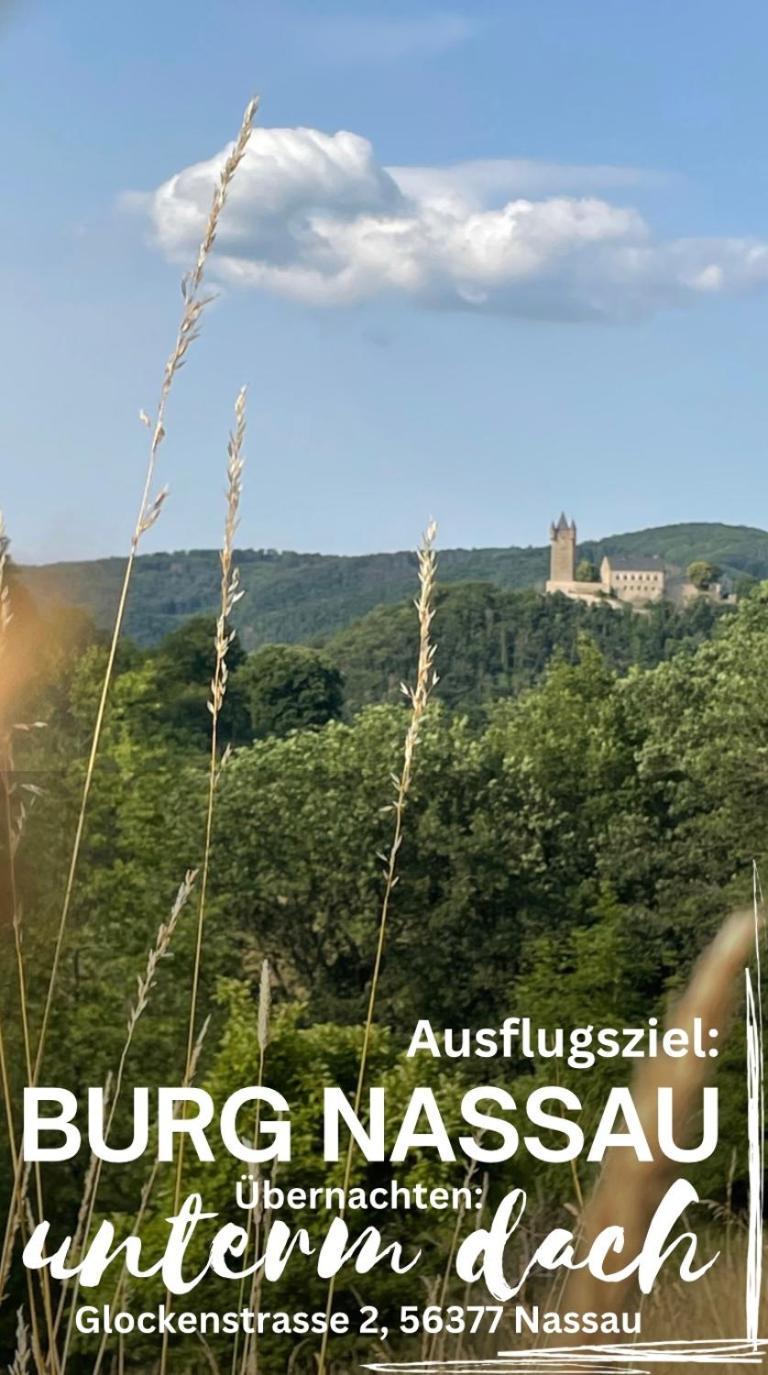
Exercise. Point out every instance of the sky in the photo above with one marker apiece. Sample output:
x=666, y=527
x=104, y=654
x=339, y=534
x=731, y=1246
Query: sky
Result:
x=483, y=261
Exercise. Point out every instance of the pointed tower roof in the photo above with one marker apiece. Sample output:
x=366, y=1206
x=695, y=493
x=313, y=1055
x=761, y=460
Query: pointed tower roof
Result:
x=562, y=524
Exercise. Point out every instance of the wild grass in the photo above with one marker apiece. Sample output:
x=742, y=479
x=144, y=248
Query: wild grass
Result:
x=23, y=1353
x=418, y=697
x=229, y=595
x=144, y=985
x=146, y=1195
x=149, y=510
x=15, y=816
x=150, y=506
x=249, y=1363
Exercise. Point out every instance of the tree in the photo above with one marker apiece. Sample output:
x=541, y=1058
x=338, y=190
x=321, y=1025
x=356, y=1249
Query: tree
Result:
x=495, y=642
x=186, y=659
x=702, y=573
x=587, y=571
x=290, y=687
x=746, y=585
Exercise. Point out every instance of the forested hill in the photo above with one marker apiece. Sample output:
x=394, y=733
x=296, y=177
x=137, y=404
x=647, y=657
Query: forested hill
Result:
x=292, y=597
x=493, y=642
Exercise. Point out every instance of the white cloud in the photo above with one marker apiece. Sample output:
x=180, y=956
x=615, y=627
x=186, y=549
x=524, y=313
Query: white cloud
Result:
x=486, y=181
x=316, y=218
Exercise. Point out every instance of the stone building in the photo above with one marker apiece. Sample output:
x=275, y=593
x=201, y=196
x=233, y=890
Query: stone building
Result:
x=623, y=578
x=633, y=578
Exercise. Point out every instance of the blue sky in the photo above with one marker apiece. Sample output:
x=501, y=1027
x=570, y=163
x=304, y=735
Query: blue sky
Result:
x=412, y=344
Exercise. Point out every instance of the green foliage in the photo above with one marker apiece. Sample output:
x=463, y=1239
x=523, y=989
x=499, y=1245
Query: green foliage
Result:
x=494, y=643
x=703, y=574
x=588, y=798
x=746, y=585
x=587, y=571
x=184, y=664
x=290, y=687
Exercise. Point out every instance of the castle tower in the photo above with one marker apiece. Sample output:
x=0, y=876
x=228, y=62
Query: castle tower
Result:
x=562, y=554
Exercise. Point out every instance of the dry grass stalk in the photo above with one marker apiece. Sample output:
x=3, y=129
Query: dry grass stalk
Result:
x=145, y=982
x=16, y=1219
x=230, y=594
x=5, y=592
x=249, y=1359
x=6, y=1270
x=418, y=696
x=5, y=620
x=83, y=1212
x=23, y=1353
x=264, y=1223
x=467, y=1294
x=14, y=827
x=146, y=1194
x=629, y=1190
x=149, y=508
x=265, y=1009
x=437, y=1339
x=9, y=1117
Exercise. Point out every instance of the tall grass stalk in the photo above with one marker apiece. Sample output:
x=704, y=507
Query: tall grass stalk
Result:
x=150, y=506
x=262, y=1038
x=149, y=510
x=13, y=826
x=12, y=829
x=146, y=1194
x=229, y=595
x=5, y=621
x=15, y=1219
x=13, y=833
x=144, y=985
x=23, y=1353
x=264, y=1223
x=467, y=1295
x=418, y=696
x=437, y=1338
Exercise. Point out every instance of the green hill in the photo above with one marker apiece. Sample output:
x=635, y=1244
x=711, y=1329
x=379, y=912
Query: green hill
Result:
x=494, y=642
x=293, y=597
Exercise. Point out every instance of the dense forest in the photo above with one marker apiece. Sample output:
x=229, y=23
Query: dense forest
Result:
x=494, y=643
x=589, y=793
x=293, y=597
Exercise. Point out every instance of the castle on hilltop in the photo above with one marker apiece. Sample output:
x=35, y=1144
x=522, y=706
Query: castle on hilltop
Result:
x=622, y=578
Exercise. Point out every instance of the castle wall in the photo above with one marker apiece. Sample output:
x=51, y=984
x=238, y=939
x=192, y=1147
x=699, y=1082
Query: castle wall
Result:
x=639, y=594
x=637, y=587
x=581, y=591
x=633, y=585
